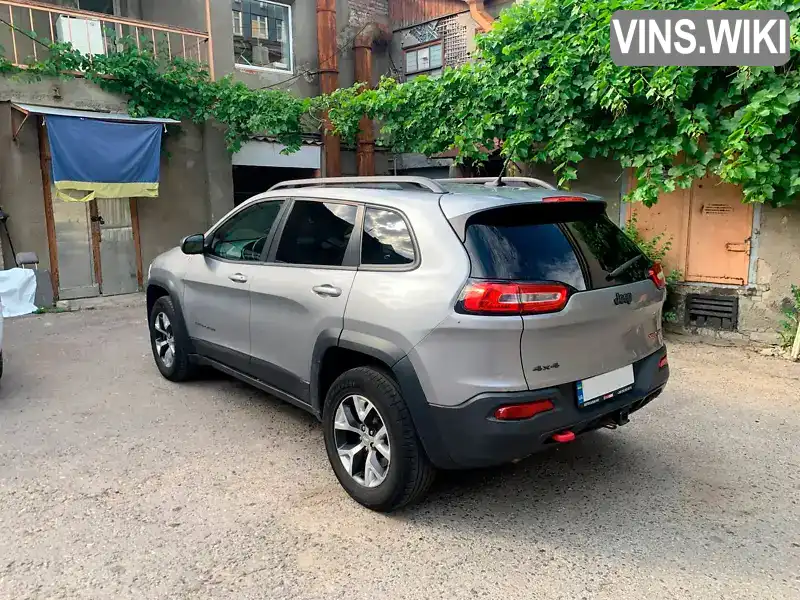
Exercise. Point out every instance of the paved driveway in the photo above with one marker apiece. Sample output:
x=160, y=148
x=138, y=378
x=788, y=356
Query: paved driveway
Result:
x=117, y=484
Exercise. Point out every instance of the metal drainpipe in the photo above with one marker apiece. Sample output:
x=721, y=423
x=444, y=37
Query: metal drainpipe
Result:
x=480, y=15
x=362, y=45
x=365, y=148
x=328, y=55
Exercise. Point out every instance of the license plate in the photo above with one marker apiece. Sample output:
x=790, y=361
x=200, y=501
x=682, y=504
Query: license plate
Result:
x=605, y=386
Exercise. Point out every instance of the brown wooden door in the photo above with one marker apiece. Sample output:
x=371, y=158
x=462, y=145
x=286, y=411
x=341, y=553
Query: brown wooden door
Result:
x=720, y=228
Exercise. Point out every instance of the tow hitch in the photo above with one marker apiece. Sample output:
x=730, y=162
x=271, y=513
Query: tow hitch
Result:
x=618, y=419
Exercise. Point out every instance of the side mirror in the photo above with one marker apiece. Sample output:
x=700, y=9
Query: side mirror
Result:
x=193, y=244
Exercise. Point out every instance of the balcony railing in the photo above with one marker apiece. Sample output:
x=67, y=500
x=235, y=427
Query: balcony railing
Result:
x=88, y=32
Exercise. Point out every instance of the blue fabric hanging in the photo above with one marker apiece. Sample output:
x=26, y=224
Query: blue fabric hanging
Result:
x=106, y=159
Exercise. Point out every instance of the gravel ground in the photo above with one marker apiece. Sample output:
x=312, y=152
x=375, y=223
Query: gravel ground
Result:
x=115, y=483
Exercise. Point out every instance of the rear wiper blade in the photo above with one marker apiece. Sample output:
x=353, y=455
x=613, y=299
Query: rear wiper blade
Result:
x=623, y=267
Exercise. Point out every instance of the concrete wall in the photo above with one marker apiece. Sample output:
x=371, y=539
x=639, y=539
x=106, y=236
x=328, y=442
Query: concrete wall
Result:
x=777, y=268
x=21, y=194
x=182, y=207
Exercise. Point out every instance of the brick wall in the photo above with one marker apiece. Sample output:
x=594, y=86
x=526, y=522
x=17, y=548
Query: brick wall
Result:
x=366, y=11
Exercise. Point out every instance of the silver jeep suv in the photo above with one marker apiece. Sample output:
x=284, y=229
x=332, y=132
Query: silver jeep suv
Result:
x=428, y=323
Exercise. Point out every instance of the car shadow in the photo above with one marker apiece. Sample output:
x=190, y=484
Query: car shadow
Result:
x=634, y=494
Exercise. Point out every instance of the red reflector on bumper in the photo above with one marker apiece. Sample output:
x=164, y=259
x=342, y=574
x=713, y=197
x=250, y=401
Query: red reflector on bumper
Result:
x=663, y=362
x=515, y=412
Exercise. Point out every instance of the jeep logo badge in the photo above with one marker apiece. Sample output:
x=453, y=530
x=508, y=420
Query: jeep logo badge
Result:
x=623, y=298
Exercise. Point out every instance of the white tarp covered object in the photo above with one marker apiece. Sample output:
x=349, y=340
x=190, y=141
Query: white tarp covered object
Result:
x=17, y=291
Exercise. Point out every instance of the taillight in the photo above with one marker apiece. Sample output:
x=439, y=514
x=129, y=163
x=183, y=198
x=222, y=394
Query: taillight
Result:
x=656, y=273
x=496, y=298
x=515, y=412
x=563, y=199
x=663, y=362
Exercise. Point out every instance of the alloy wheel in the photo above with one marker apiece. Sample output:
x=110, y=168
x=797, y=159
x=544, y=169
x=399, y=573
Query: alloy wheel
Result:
x=164, y=340
x=362, y=440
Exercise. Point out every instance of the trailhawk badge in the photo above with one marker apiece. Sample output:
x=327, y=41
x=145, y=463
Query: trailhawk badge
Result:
x=623, y=298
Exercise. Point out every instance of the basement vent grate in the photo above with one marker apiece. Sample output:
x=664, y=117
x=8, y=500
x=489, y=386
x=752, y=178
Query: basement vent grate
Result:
x=714, y=312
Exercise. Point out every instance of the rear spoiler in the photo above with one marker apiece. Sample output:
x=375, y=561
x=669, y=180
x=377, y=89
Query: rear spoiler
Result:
x=560, y=211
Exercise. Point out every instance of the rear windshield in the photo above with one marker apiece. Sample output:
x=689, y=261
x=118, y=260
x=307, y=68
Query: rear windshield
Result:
x=574, y=244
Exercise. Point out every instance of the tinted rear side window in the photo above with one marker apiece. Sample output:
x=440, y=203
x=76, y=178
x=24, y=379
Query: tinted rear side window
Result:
x=576, y=245
x=316, y=233
x=386, y=240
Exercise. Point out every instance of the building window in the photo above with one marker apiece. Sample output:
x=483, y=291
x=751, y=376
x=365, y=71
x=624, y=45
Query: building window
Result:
x=262, y=34
x=424, y=61
x=260, y=27
x=107, y=7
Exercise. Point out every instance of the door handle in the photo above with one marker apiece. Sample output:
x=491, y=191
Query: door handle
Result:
x=327, y=290
x=238, y=278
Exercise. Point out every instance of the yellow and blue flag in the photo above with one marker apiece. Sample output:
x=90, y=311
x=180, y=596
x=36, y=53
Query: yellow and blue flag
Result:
x=105, y=159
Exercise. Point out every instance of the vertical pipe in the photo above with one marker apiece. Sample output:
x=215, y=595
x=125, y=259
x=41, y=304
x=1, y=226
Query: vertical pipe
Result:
x=13, y=33
x=480, y=15
x=169, y=46
x=30, y=16
x=210, y=41
x=49, y=219
x=137, y=241
x=327, y=53
x=365, y=149
x=52, y=33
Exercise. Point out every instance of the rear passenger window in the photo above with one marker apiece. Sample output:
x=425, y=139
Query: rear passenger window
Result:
x=386, y=240
x=316, y=233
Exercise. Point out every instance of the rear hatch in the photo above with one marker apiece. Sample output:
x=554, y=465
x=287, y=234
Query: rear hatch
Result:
x=589, y=300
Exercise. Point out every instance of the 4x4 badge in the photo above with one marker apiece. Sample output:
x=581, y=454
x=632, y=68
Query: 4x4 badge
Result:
x=623, y=298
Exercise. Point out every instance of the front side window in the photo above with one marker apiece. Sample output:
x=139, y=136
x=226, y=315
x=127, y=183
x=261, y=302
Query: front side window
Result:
x=244, y=235
x=316, y=233
x=386, y=240
x=424, y=61
x=261, y=35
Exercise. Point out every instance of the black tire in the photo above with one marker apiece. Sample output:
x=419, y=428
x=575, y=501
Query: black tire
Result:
x=181, y=367
x=410, y=473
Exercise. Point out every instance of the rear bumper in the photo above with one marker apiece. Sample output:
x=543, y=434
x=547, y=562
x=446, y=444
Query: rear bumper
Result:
x=468, y=436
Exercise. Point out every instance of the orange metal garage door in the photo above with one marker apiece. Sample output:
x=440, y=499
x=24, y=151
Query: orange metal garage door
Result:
x=710, y=230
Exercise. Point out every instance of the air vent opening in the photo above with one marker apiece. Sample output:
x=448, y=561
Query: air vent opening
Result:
x=712, y=311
